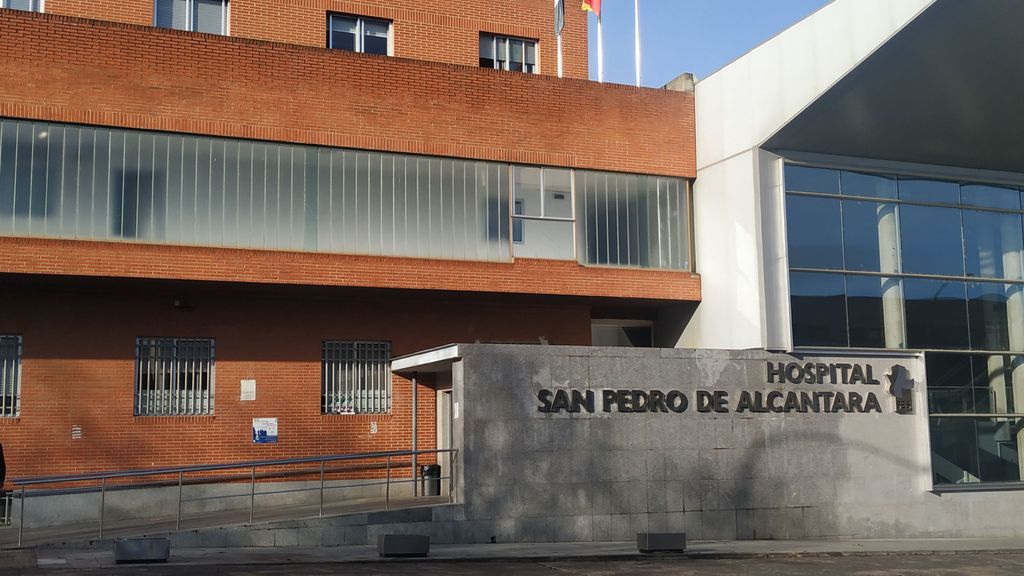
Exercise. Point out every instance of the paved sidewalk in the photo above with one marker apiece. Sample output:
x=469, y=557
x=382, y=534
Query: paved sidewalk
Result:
x=85, y=559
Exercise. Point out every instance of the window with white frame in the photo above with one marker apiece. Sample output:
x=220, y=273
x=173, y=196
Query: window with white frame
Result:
x=174, y=376
x=359, y=34
x=542, y=213
x=10, y=376
x=209, y=16
x=29, y=5
x=505, y=53
x=356, y=377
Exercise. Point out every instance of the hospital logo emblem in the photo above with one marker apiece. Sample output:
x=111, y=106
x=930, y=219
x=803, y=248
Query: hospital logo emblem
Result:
x=901, y=386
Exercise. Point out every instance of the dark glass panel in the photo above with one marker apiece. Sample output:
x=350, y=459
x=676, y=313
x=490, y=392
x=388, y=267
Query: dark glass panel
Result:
x=954, y=450
x=864, y=309
x=818, y=304
x=931, y=240
x=948, y=370
x=814, y=232
x=998, y=459
x=936, y=314
x=989, y=237
x=990, y=196
x=986, y=309
x=956, y=400
x=857, y=184
x=937, y=191
x=805, y=179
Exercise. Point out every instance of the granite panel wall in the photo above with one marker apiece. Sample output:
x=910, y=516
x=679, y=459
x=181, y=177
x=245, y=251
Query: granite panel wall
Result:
x=860, y=471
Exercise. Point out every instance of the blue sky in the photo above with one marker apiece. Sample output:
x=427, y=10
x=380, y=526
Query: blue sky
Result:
x=676, y=36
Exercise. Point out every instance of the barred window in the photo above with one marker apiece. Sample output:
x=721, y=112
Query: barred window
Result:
x=174, y=376
x=356, y=378
x=10, y=376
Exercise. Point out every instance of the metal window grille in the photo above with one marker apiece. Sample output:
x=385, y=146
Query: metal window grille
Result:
x=10, y=376
x=356, y=378
x=6, y=508
x=174, y=376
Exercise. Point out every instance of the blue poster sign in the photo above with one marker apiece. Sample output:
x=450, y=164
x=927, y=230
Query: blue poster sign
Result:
x=264, y=430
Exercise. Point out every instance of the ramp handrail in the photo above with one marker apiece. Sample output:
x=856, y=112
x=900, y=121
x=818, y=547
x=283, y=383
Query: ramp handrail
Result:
x=251, y=465
x=31, y=481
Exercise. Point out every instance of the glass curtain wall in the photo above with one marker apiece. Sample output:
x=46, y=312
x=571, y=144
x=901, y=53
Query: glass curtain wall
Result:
x=882, y=261
x=66, y=181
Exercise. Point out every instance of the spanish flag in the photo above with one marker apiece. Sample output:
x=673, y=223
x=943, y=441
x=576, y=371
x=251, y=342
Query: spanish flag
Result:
x=592, y=6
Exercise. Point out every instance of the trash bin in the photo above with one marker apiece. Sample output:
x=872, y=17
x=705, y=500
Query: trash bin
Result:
x=431, y=480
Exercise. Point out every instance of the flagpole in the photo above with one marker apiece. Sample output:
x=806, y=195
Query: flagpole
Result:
x=600, y=50
x=636, y=37
x=559, y=24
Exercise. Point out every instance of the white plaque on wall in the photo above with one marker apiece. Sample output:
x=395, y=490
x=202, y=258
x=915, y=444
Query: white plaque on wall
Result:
x=248, y=390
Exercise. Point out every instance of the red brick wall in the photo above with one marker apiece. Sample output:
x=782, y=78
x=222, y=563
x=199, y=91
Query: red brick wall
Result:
x=436, y=30
x=64, y=69
x=524, y=276
x=78, y=368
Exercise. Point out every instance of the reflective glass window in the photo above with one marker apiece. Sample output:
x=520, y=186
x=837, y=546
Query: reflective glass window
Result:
x=872, y=185
x=988, y=196
x=375, y=37
x=358, y=34
x=992, y=244
x=343, y=32
x=814, y=231
x=30, y=5
x=818, y=303
x=870, y=236
x=807, y=179
x=967, y=448
x=934, y=191
x=209, y=16
x=504, y=53
x=931, y=240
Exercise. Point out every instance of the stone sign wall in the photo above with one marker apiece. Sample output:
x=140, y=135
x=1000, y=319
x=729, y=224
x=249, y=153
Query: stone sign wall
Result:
x=596, y=444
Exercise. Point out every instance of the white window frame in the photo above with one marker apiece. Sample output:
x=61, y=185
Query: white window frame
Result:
x=40, y=4
x=183, y=397
x=351, y=384
x=504, y=64
x=360, y=23
x=11, y=354
x=513, y=200
x=225, y=23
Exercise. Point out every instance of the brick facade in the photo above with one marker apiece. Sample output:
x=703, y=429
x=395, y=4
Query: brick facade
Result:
x=71, y=70
x=80, y=305
x=436, y=30
x=78, y=368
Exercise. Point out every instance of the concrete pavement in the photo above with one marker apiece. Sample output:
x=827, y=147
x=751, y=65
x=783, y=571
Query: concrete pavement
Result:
x=541, y=552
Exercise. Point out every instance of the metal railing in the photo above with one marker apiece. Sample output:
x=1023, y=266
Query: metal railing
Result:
x=388, y=462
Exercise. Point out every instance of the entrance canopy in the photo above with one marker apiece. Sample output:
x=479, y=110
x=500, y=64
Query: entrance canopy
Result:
x=945, y=90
